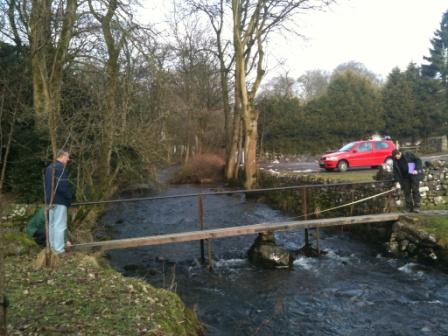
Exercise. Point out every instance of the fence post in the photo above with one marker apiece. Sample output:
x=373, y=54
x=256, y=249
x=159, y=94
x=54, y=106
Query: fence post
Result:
x=210, y=256
x=305, y=214
x=201, y=225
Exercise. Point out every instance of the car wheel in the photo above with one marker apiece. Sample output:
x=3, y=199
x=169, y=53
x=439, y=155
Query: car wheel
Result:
x=342, y=166
x=389, y=161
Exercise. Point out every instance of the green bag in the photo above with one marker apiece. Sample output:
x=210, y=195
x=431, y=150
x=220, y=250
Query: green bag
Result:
x=37, y=222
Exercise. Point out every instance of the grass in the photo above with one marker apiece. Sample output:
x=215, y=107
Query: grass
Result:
x=83, y=297
x=438, y=226
x=349, y=176
x=436, y=207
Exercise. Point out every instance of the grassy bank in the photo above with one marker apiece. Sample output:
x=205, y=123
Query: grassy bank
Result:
x=438, y=226
x=83, y=295
x=349, y=176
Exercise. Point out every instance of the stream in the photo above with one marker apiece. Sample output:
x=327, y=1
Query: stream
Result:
x=356, y=289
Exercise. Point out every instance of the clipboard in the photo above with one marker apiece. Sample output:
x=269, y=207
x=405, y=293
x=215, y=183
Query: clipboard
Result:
x=411, y=167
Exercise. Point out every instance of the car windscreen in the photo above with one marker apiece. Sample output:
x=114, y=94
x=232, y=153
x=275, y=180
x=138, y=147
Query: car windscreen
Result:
x=347, y=147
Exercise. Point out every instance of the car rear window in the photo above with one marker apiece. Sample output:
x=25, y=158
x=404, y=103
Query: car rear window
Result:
x=381, y=145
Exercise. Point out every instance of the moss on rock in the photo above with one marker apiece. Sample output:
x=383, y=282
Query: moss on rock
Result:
x=423, y=238
x=18, y=243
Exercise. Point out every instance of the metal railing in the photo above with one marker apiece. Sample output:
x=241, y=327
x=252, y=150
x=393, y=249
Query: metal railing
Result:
x=303, y=188
x=227, y=192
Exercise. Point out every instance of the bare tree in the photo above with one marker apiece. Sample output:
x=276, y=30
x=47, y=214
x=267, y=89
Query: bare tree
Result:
x=115, y=32
x=313, y=84
x=253, y=21
x=280, y=86
x=3, y=330
x=9, y=138
x=51, y=27
x=215, y=10
x=358, y=68
x=195, y=88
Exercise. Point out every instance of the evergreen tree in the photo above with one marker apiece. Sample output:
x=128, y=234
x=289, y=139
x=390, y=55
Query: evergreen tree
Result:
x=399, y=106
x=434, y=92
x=316, y=129
x=438, y=59
x=280, y=120
x=429, y=114
x=355, y=108
x=413, y=105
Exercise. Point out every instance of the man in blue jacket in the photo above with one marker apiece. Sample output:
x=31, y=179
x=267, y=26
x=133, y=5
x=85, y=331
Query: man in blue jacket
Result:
x=408, y=173
x=58, y=198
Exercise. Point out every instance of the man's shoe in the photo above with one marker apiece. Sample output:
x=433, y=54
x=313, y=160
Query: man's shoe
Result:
x=416, y=210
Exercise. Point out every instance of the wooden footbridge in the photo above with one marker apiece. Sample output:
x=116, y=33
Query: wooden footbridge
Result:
x=202, y=234
x=234, y=231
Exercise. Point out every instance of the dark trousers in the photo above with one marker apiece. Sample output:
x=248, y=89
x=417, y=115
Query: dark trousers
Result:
x=410, y=188
x=40, y=237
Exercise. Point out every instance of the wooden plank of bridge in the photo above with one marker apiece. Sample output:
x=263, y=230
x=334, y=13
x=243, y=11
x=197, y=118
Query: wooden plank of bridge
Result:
x=233, y=231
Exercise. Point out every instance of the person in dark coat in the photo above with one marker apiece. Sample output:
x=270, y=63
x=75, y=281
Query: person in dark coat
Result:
x=58, y=198
x=408, y=173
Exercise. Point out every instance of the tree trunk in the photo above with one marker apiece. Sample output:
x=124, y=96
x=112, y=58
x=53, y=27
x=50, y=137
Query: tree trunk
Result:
x=3, y=330
x=4, y=159
x=226, y=108
x=51, y=106
x=1, y=139
x=48, y=62
x=109, y=118
x=39, y=40
x=223, y=71
x=232, y=169
x=246, y=97
x=234, y=152
x=240, y=149
x=250, y=147
x=2, y=287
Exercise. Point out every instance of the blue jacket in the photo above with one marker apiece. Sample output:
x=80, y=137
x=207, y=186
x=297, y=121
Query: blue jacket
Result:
x=56, y=178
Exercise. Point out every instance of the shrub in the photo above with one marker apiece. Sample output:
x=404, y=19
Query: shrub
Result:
x=201, y=168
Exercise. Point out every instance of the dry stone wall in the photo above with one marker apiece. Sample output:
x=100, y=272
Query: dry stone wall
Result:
x=402, y=239
x=434, y=187
x=433, y=190
x=323, y=194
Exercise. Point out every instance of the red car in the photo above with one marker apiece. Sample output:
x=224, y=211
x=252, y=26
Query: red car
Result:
x=367, y=153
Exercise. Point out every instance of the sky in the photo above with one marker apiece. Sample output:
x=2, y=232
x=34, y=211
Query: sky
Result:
x=381, y=34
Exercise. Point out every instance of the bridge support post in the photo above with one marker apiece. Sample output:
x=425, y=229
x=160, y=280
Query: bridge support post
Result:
x=305, y=215
x=201, y=226
x=210, y=257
